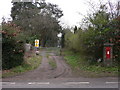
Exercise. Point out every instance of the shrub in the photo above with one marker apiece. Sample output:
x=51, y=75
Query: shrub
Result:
x=12, y=48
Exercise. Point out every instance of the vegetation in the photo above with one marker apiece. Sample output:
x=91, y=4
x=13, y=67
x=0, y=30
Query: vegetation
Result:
x=83, y=68
x=99, y=27
x=30, y=64
x=51, y=60
x=30, y=21
x=52, y=63
x=12, y=47
x=39, y=20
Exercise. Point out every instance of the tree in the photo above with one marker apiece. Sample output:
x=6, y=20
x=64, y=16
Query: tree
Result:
x=99, y=28
x=75, y=29
x=39, y=18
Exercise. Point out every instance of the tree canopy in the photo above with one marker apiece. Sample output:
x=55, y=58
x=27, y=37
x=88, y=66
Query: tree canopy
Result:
x=39, y=19
x=101, y=26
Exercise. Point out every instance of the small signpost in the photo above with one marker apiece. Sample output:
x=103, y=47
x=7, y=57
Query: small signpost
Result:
x=108, y=54
x=37, y=46
x=36, y=43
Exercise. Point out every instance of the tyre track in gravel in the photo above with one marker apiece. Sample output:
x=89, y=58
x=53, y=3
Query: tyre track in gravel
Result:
x=62, y=70
x=44, y=71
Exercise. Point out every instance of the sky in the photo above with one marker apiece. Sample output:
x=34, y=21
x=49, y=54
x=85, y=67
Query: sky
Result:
x=73, y=10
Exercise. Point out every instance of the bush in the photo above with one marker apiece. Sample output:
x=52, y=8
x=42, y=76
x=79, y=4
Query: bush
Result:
x=90, y=41
x=12, y=48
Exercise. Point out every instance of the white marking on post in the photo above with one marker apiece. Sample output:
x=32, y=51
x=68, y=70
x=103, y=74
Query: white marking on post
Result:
x=108, y=52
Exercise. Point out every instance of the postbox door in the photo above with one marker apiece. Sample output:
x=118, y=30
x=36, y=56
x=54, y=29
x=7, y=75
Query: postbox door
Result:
x=108, y=50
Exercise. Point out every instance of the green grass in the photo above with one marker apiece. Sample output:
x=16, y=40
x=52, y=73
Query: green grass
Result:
x=52, y=64
x=80, y=65
x=53, y=50
x=30, y=64
x=47, y=55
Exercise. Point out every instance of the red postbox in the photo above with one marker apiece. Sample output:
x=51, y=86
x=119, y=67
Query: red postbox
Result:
x=107, y=54
x=108, y=50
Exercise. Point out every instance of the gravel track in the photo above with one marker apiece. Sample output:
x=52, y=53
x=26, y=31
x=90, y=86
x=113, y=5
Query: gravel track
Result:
x=44, y=71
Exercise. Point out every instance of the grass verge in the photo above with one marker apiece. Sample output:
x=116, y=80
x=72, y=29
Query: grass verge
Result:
x=51, y=61
x=54, y=50
x=82, y=68
x=52, y=64
x=30, y=63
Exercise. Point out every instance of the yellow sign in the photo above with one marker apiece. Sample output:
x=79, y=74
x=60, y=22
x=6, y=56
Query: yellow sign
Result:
x=36, y=43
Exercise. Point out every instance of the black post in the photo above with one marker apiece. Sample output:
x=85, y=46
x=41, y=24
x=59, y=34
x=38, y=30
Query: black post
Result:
x=62, y=40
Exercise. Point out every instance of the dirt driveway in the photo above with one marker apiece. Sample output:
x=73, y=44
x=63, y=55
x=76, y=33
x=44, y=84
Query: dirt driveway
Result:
x=44, y=71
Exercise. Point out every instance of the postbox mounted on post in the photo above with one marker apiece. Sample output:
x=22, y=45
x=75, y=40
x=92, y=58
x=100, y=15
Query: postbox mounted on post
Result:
x=108, y=50
x=107, y=54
